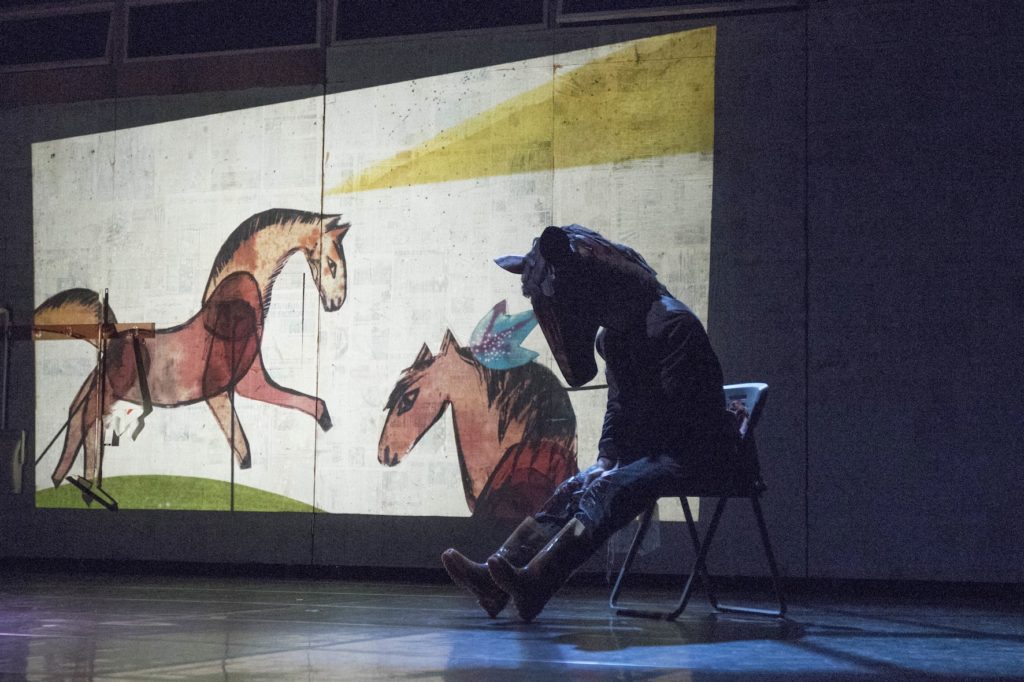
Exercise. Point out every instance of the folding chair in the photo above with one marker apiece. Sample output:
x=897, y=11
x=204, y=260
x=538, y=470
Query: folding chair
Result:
x=749, y=485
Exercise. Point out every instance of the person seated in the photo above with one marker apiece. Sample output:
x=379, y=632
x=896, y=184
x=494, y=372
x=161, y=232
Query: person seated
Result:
x=665, y=425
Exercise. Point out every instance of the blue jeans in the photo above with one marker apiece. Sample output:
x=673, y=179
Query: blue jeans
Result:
x=613, y=499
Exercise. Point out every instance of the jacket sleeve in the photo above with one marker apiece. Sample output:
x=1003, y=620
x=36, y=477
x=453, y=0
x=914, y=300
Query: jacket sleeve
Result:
x=612, y=429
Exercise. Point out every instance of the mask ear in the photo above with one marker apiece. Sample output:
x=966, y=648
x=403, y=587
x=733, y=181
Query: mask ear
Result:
x=555, y=247
x=513, y=264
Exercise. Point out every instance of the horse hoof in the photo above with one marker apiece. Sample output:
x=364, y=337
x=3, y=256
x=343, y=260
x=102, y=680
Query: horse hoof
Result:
x=325, y=421
x=246, y=462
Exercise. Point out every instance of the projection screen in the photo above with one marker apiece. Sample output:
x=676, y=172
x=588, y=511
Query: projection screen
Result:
x=320, y=277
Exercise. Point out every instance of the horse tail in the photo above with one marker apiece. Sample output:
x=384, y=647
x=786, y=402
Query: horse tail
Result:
x=71, y=308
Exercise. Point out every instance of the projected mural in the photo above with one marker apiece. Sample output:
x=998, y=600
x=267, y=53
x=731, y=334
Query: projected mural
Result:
x=438, y=176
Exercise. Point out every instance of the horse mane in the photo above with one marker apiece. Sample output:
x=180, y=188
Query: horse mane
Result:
x=255, y=223
x=532, y=395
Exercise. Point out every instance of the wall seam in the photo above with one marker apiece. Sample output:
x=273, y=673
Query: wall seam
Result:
x=807, y=297
x=327, y=20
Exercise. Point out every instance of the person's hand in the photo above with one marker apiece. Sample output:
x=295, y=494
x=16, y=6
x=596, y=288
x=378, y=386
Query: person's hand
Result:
x=600, y=468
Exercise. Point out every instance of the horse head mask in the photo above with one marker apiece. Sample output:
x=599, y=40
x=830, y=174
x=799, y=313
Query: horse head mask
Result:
x=574, y=278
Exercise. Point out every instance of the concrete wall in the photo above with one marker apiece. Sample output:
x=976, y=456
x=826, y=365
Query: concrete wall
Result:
x=915, y=306
x=865, y=262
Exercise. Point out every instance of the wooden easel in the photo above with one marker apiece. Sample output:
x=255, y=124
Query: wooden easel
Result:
x=102, y=333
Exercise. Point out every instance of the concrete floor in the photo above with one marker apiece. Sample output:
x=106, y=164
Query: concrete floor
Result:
x=79, y=626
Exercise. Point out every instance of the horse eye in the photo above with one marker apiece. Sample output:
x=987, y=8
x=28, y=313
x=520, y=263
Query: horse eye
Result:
x=406, y=402
x=333, y=268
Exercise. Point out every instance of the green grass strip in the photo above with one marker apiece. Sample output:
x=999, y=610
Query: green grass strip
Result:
x=174, y=493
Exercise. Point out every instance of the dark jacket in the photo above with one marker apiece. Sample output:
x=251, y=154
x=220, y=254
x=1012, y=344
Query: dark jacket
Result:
x=664, y=390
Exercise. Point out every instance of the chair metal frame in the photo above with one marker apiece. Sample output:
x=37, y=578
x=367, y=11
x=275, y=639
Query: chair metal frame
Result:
x=754, y=397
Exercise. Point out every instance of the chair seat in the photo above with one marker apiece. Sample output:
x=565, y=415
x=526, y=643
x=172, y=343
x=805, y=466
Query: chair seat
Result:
x=741, y=479
x=729, y=488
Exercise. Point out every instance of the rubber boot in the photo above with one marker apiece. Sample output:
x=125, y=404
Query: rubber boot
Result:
x=518, y=549
x=532, y=586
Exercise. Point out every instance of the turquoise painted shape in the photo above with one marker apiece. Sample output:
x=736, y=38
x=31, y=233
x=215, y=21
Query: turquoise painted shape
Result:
x=496, y=342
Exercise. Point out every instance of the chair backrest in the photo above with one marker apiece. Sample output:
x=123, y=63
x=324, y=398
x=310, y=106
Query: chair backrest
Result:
x=752, y=396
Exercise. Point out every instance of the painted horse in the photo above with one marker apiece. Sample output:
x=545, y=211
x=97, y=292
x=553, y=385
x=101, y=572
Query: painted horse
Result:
x=515, y=429
x=214, y=354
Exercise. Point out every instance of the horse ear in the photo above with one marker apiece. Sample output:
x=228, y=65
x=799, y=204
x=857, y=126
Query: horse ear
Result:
x=424, y=356
x=513, y=264
x=448, y=342
x=334, y=224
x=555, y=246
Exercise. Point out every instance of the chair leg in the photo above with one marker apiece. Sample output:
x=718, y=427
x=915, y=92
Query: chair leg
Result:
x=638, y=539
x=772, y=565
x=709, y=586
x=699, y=569
x=776, y=579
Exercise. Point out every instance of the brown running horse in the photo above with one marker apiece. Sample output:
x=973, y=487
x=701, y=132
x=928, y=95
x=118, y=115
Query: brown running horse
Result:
x=515, y=429
x=215, y=352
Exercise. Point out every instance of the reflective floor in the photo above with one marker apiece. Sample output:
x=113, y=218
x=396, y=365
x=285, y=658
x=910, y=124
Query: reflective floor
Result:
x=93, y=627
